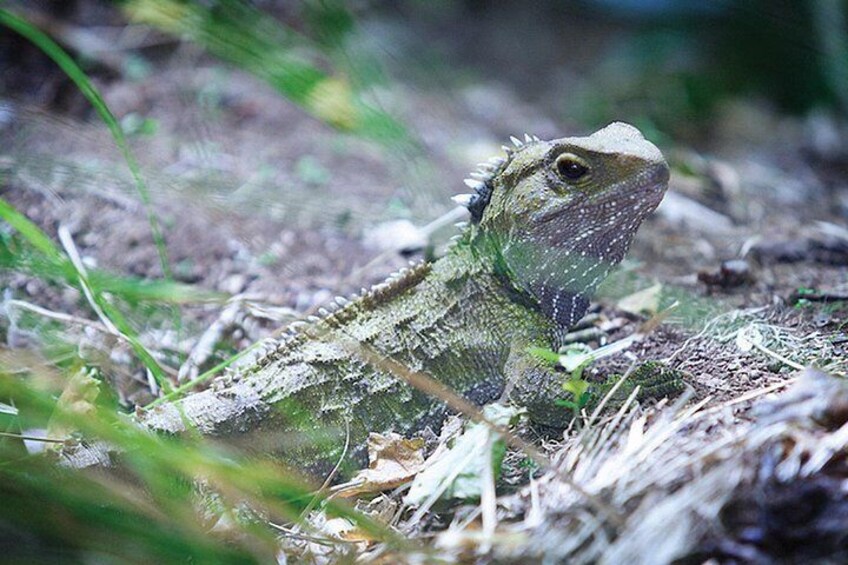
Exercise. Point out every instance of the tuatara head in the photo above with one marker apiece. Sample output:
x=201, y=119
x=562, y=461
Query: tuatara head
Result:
x=558, y=215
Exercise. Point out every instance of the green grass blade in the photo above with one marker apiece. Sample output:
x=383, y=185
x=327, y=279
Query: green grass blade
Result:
x=65, y=268
x=35, y=254
x=205, y=376
x=78, y=76
x=135, y=290
x=31, y=232
x=287, y=60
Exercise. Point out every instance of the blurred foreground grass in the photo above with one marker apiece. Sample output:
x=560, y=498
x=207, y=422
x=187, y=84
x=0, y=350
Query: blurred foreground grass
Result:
x=150, y=511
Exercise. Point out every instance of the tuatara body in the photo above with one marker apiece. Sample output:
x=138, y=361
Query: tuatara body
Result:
x=548, y=222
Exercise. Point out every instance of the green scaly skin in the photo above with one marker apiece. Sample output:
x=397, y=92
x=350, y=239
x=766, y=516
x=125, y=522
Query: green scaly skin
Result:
x=548, y=223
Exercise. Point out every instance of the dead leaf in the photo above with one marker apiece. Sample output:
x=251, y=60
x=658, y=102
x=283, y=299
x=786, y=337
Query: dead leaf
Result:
x=645, y=301
x=77, y=401
x=394, y=460
x=456, y=472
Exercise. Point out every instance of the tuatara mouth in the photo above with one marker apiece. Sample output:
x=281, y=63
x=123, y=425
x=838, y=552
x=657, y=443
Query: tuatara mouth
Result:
x=651, y=189
x=656, y=179
x=642, y=192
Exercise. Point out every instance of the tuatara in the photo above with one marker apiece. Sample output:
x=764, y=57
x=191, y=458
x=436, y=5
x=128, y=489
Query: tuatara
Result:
x=548, y=222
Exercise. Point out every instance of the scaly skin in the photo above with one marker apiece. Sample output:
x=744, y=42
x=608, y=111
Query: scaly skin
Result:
x=548, y=223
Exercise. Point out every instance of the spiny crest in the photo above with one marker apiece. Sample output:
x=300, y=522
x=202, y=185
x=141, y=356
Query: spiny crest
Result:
x=481, y=180
x=337, y=313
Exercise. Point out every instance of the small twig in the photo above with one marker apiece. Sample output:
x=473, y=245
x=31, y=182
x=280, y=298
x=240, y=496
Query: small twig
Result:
x=451, y=217
x=32, y=438
x=427, y=231
x=74, y=256
x=750, y=337
x=151, y=382
x=587, y=321
x=329, y=479
x=820, y=297
x=657, y=319
x=778, y=356
x=582, y=336
x=328, y=541
x=201, y=378
x=60, y=316
x=70, y=319
x=534, y=516
x=473, y=515
x=488, y=500
x=750, y=395
x=205, y=346
x=8, y=409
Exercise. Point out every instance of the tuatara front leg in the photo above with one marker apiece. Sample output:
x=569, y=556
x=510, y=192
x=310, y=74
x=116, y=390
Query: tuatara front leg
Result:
x=538, y=386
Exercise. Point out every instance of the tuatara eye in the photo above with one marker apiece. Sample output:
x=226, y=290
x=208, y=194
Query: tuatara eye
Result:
x=571, y=167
